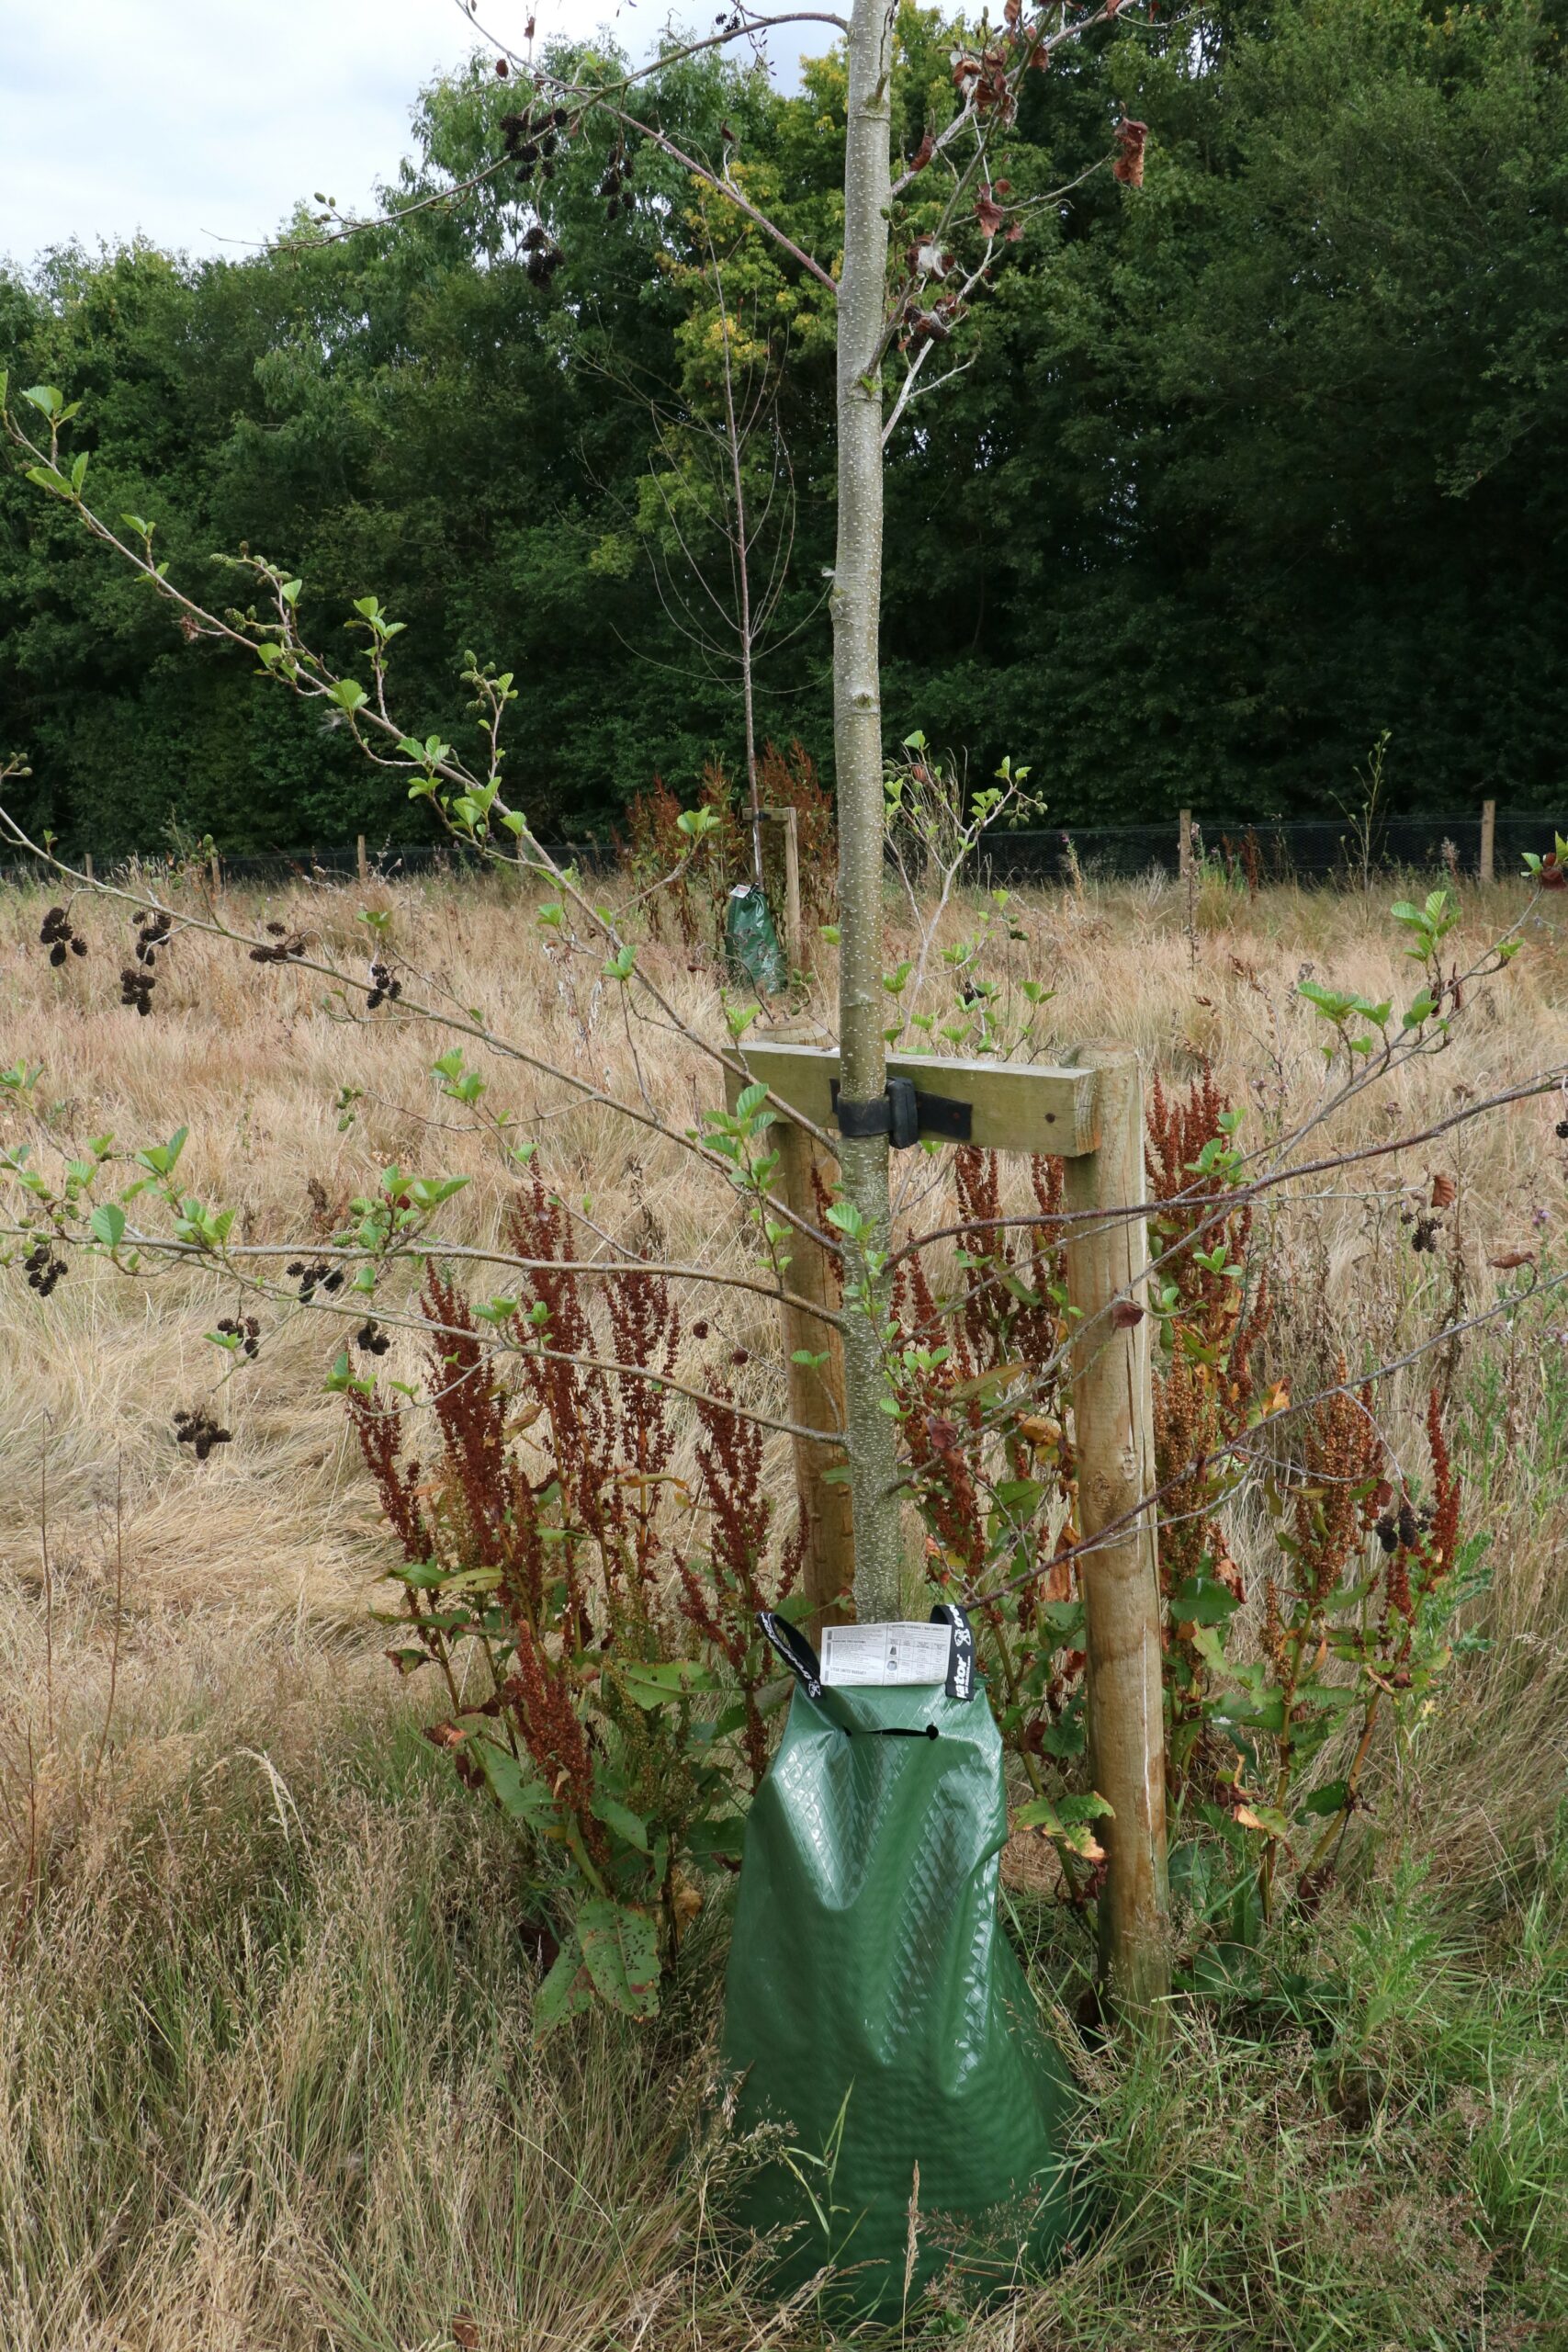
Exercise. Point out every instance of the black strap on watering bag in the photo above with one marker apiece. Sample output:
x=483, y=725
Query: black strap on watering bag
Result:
x=793, y=1648
x=961, y=1656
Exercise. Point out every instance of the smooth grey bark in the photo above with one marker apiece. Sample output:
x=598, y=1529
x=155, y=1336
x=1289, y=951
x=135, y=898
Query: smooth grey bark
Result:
x=856, y=607
x=743, y=586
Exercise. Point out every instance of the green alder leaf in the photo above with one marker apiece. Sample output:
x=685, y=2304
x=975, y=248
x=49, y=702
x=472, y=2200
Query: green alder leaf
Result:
x=107, y=1225
x=160, y=1158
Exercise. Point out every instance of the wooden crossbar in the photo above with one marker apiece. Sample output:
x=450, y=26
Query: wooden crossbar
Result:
x=1015, y=1106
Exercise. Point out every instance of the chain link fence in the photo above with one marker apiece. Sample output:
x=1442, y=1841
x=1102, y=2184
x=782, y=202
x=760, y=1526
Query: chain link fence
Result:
x=1314, y=850
x=1335, y=852
x=318, y=865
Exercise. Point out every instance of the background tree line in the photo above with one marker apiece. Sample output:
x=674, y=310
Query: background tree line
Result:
x=1241, y=475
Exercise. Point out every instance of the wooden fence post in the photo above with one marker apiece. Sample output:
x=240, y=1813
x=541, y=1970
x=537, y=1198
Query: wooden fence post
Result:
x=1488, y=841
x=216, y=872
x=1184, y=847
x=1113, y=1417
x=87, y=866
x=361, y=861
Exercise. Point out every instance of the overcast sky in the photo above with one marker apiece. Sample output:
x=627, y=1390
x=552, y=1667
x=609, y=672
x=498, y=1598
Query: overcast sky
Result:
x=198, y=121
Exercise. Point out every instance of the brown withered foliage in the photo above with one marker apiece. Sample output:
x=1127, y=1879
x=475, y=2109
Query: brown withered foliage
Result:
x=1000, y=1324
x=1004, y=1318
x=575, y=1547
x=610, y=1438
x=788, y=779
x=1345, y=1488
x=484, y=1494
x=1421, y=1545
x=1442, y=1536
x=1187, y=1431
x=721, y=1596
x=1131, y=140
x=1335, y=1506
x=693, y=901
x=541, y=1696
x=1178, y=1129
x=1204, y=1395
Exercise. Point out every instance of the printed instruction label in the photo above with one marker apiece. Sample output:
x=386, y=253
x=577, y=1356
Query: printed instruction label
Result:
x=882, y=1655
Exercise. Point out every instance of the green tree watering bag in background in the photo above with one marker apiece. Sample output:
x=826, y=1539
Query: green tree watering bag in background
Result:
x=874, y=2008
x=751, y=944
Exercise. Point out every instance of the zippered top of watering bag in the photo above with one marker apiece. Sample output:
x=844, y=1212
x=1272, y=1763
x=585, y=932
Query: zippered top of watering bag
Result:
x=880, y=1657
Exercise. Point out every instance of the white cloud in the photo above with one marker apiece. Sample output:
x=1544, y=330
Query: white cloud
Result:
x=201, y=122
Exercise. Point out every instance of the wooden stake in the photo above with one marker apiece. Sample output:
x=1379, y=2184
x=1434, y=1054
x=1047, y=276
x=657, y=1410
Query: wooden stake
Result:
x=360, y=859
x=87, y=866
x=1184, y=844
x=216, y=872
x=1488, y=841
x=1113, y=1419
x=795, y=945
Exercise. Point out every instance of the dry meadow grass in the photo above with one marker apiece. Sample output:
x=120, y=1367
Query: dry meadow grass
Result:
x=266, y=2081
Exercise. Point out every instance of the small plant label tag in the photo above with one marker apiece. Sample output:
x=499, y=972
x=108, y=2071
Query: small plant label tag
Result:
x=882, y=1655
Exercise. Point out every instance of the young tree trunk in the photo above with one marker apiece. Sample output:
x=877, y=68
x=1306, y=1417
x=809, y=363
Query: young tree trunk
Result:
x=857, y=751
x=742, y=552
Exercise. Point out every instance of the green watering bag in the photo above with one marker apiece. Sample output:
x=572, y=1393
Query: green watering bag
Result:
x=751, y=944
x=874, y=2008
